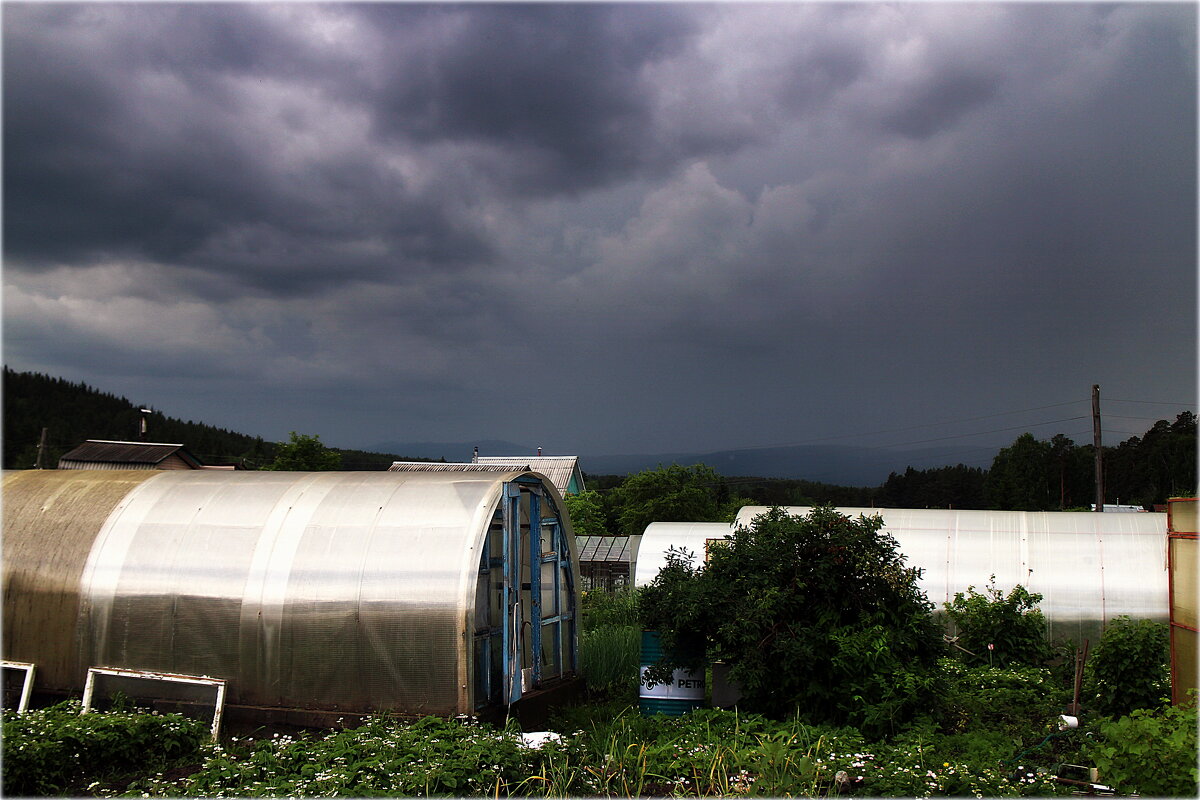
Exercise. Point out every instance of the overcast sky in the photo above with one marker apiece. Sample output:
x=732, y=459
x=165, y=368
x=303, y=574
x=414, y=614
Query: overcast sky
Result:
x=606, y=228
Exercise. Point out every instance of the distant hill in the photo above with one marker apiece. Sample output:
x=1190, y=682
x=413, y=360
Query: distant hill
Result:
x=1143, y=469
x=75, y=412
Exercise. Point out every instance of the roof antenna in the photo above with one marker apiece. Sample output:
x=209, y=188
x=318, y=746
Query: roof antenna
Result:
x=475, y=458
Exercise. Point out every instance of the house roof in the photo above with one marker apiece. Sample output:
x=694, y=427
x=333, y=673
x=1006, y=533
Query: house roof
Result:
x=557, y=468
x=110, y=452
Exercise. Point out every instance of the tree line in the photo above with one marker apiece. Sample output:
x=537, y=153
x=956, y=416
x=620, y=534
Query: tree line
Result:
x=1028, y=475
x=71, y=413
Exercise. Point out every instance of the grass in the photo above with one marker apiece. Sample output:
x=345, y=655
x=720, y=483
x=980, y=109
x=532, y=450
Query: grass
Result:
x=610, y=643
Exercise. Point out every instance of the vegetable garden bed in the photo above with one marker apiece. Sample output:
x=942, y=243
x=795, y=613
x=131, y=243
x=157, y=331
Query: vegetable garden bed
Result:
x=605, y=750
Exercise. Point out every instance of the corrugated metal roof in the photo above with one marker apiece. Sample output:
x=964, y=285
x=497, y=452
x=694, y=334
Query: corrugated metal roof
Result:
x=109, y=452
x=442, y=466
x=557, y=468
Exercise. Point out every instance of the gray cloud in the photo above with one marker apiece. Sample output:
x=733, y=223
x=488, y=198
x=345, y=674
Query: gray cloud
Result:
x=655, y=225
x=559, y=85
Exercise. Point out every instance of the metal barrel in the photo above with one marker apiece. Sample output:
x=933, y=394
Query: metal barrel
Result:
x=684, y=693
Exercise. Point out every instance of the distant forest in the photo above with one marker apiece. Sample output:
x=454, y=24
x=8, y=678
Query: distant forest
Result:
x=72, y=413
x=1028, y=475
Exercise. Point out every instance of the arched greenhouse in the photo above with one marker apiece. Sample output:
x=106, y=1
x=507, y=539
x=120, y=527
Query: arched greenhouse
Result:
x=349, y=592
x=1089, y=568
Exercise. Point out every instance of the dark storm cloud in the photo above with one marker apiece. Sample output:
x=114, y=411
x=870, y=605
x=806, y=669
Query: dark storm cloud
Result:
x=558, y=89
x=153, y=144
x=938, y=103
x=773, y=217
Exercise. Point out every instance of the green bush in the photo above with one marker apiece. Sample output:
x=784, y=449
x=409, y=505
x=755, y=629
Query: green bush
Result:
x=668, y=494
x=599, y=607
x=1129, y=669
x=55, y=750
x=1000, y=629
x=1149, y=752
x=586, y=510
x=815, y=613
x=1014, y=701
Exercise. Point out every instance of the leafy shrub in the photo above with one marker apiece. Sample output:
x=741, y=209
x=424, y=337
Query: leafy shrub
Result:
x=56, y=749
x=1013, y=700
x=599, y=608
x=587, y=513
x=817, y=613
x=1130, y=667
x=668, y=494
x=1000, y=629
x=1150, y=752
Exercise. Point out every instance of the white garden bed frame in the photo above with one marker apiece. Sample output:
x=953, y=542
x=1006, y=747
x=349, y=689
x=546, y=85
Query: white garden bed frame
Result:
x=27, y=686
x=202, y=680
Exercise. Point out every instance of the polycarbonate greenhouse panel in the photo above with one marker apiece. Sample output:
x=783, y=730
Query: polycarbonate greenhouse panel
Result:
x=658, y=536
x=50, y=522
x=1089, y=567
x=318, y=590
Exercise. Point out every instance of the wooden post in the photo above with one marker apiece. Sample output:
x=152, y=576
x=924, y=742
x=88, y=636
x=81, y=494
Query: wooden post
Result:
x=1097, y=445
x=1080, y=663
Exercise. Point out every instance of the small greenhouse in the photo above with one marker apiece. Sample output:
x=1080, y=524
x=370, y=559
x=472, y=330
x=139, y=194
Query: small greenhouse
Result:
x=605, y=562
x=347, y=592
x=1089, y=568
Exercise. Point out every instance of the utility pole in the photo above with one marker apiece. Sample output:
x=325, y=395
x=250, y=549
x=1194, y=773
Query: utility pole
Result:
x=1096, y=445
